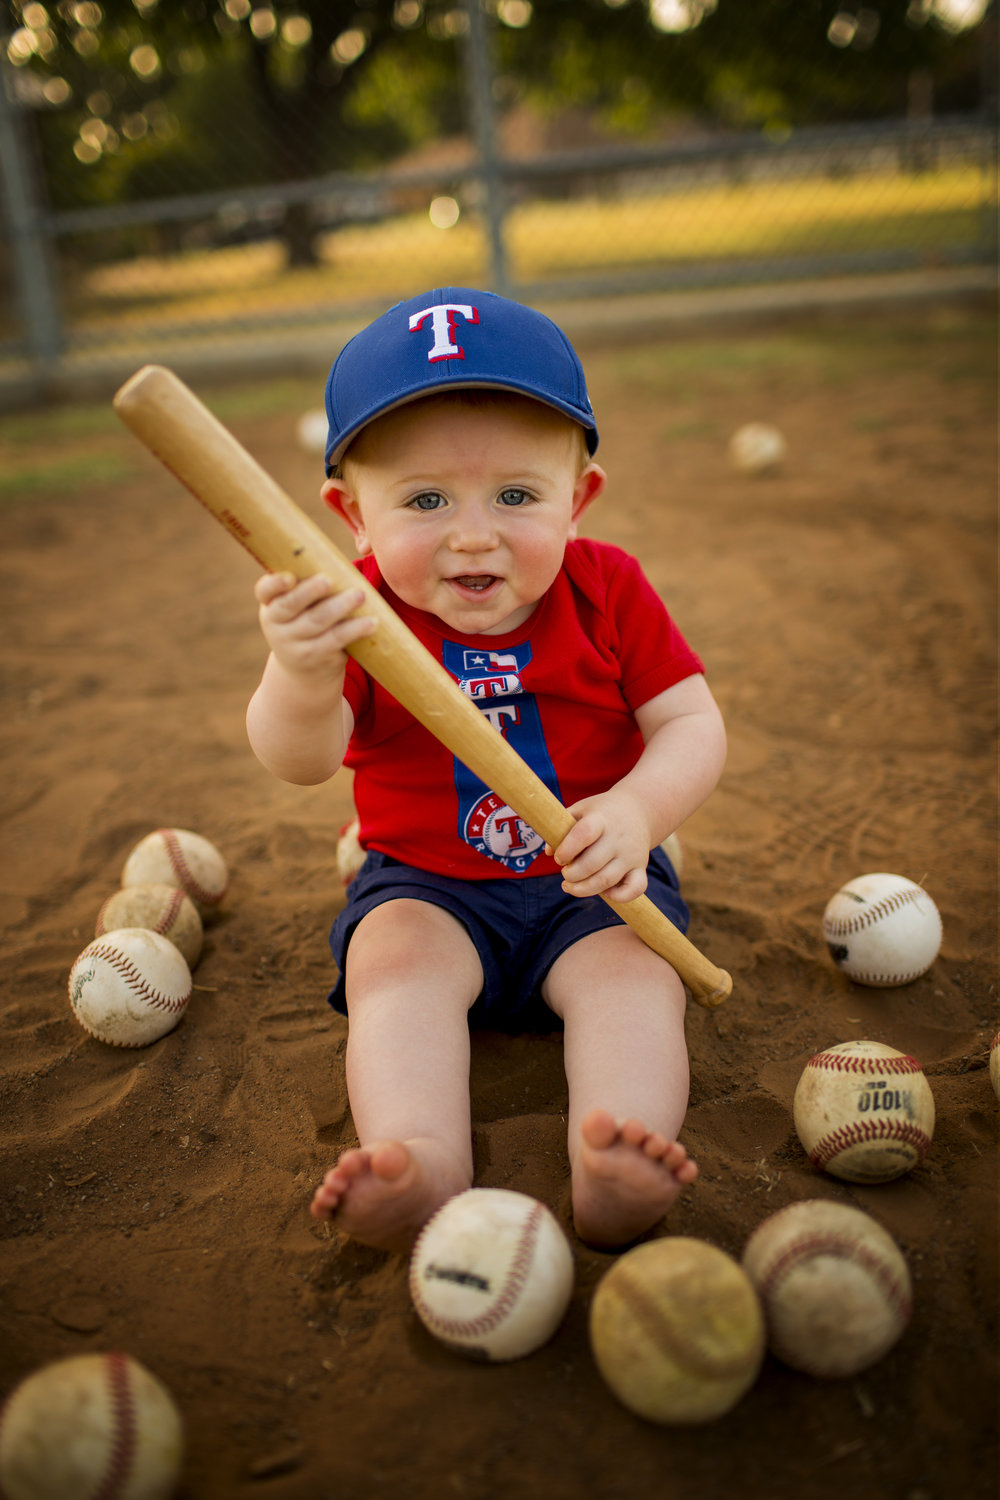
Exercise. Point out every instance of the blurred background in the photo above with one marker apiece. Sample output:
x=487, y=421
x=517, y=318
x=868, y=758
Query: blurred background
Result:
x=180, y=177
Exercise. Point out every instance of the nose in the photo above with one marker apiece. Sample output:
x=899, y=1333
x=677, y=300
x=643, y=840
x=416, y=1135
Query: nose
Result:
x=473, y=530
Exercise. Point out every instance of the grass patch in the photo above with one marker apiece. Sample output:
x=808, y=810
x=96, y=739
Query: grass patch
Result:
x=822, y=353
x=267, y=398
x=928, y=213
x=57, y=424
x=64, y=475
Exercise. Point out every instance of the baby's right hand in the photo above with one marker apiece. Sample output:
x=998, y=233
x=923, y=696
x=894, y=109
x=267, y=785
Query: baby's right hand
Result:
x=308, y=625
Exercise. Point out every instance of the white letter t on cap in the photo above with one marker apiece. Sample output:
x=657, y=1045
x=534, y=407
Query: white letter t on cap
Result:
x=443, y=327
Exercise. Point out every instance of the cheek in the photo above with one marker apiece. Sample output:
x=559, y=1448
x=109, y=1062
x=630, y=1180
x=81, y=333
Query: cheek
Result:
x=404, y=564
x=540, y=554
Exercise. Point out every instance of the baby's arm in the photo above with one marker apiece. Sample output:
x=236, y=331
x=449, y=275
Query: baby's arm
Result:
x=608, y=848
x=298, y=720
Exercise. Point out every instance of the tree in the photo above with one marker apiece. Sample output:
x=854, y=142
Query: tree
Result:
x=157, y=97
x=744, y=63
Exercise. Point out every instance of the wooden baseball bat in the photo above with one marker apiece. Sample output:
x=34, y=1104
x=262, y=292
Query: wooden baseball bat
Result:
x=169, y=419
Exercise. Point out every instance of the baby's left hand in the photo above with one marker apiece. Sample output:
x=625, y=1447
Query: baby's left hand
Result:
x=607, y=849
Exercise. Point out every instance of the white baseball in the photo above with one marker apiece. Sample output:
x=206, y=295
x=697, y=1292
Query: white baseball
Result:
x=756, y=447
x=129, y=987
x=677, y=1331
x=312, y=430
x=864, y=1112
x=165, y=909
x=882, y=930
x=995, y=1064
x=176, y=856
x=492, y=1274
x=836, y=1290
x=94, y=1425
x=350, y=855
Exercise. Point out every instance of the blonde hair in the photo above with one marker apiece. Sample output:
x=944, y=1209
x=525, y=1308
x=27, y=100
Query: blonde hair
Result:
x=471, y=398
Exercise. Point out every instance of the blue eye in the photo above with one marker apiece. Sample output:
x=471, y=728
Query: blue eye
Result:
x=513, y=497
x=429, y=500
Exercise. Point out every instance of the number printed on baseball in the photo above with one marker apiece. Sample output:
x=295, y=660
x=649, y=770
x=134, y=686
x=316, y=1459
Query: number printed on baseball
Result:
x=864, y=1112
x=836, y=1289
x=882, y=930
x=92, y=1425
x=176, y=856
x=492, y=1274
x=129, y=987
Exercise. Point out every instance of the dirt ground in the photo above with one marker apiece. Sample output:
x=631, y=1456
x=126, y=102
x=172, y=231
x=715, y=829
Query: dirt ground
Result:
x=156, y=1200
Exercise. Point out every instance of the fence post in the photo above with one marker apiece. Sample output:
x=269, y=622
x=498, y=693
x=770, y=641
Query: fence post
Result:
x=479, y=89
x=33, y=279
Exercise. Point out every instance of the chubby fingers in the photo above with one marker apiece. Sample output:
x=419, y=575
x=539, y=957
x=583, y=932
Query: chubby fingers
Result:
x=614, y=879
x=594, y=863
x=311, y=610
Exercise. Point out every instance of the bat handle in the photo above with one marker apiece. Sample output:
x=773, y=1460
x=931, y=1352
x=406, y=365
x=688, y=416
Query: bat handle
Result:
x=709, y=985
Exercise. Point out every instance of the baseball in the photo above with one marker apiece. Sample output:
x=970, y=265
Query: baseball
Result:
x=491, y=1274
x=864, y=1112
x=160, y=908
x=312, y=430
x=175, y=856
x=756, y=447
x=350, y=855
x=995, y=1064
x=677, y=1331
x=94, y=1425
x=836, y=1290
x=882, y=930
x=129, y=987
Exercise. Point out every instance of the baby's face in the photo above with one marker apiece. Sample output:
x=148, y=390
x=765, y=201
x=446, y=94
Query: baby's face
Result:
x=467, y=511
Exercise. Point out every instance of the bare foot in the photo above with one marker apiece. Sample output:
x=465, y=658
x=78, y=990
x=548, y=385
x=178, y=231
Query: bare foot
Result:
x=383, y=1194
x=625, y=1180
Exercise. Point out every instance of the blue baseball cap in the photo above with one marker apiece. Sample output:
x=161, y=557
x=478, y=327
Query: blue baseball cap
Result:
x=452, y=338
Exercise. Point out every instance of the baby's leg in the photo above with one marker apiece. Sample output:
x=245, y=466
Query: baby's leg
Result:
x=412, y=973
x=627, y=1068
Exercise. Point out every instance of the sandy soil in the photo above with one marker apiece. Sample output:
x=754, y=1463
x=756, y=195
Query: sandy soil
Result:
x=156, y=1200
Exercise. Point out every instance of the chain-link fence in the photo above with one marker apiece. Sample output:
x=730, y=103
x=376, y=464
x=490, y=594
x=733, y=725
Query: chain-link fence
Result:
x=149, y=198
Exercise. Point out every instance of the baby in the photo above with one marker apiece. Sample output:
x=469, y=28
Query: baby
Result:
x=460, y=454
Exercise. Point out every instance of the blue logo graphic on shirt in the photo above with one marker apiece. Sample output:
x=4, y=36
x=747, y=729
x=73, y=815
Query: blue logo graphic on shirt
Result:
x=492, y=679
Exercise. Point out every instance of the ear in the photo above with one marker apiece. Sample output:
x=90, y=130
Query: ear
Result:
x=589, y=485
x=340, y=498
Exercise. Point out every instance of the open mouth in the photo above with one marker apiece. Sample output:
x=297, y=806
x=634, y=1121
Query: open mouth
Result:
x=475, y=583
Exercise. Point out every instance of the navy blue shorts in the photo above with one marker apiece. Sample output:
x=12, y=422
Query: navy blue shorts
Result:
x=519, y=928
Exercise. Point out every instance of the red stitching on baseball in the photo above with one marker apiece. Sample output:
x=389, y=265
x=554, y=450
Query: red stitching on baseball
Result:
x=467, y=1328
x=869, y=915
x=828, y=1242
x=123, y=1429
x=165, y=923
x=869, y=1130
x=863, y=1062
x=171, y=914
x=135, y=979
x=176, y=856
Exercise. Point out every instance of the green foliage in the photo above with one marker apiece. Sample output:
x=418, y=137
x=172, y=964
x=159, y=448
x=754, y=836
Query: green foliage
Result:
x=175, y=96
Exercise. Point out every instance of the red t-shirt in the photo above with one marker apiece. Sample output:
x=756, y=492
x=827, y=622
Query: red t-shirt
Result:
x=562, y=689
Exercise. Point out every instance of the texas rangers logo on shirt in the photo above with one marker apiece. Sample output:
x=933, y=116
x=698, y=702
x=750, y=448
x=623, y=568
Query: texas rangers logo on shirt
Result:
x=489, y=674
x=493, y=681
